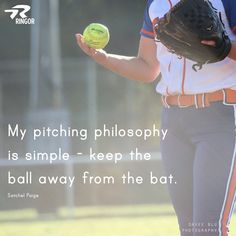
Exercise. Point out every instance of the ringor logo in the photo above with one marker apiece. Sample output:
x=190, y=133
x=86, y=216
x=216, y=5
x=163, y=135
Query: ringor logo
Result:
x=18, y=9
x=18, y=13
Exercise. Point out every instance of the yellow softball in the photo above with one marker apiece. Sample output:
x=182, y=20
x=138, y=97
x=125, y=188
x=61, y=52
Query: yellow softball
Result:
x=96, y=36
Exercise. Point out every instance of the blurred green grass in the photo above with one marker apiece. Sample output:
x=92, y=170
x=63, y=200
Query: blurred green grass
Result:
x=138, y=220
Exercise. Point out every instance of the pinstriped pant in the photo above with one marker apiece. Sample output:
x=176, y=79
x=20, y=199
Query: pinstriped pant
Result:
x=199, y=151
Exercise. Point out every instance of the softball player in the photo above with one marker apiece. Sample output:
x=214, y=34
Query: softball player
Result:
x=199, y=111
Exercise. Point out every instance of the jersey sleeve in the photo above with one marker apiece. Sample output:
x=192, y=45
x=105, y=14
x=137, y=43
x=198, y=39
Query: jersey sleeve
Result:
x=230, y=8
x=233, y=16
x=147, y=28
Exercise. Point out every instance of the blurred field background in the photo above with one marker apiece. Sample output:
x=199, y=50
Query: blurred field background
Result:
x=125, y=220
x=140, y=220
x=45, y=80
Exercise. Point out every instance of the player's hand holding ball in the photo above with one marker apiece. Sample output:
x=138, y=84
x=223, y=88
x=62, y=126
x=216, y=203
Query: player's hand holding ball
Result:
x=95, y=37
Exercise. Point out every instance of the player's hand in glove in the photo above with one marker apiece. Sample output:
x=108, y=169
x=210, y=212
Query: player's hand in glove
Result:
x=194, y=30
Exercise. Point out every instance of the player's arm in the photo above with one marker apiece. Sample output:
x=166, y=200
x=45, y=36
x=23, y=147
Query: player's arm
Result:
x=144, y=67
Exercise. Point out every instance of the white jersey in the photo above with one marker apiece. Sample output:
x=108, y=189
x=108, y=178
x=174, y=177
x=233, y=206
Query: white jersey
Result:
x=178, y=77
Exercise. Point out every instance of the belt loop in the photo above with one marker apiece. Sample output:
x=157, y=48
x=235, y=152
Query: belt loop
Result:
x=224, y=96
x=203, y=100
x=229, y=97
x=196, y=100
x=179, y=103
x=164, y=101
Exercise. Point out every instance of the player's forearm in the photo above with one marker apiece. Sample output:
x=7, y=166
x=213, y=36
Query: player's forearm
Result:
x=145, y=67
x=232, y=53
x=134, y=68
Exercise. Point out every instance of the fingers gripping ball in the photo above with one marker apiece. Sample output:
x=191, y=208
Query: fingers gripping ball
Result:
x=96, y=36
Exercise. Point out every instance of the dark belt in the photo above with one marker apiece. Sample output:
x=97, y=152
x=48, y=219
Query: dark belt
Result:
x=227, y=96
